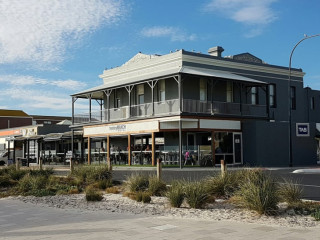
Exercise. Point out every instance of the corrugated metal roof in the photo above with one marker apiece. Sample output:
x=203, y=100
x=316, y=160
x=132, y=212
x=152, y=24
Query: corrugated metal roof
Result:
x=12, y=113
x=170, y=72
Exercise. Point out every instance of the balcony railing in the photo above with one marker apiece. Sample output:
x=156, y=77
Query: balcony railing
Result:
x=136, y=111
x=172, y=107
x=224, y=108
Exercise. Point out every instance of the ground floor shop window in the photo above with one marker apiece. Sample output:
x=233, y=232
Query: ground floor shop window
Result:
x=223, y=142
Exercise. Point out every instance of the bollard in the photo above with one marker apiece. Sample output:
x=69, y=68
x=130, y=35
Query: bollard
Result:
x=71, y=165
x=18, y=164
x=40, y=164
x=223, y=167
x=159, y=168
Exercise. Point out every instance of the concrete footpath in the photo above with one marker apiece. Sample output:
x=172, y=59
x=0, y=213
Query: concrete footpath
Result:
x=20, y=220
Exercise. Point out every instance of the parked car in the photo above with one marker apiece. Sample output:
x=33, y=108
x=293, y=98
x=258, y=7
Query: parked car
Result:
x=3, y=158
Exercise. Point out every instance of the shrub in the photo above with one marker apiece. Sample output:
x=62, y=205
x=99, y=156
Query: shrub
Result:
x=259, y=192
x=175, y=194
x=156, y=187
x=196, y=194
x=130, y=195
x=114, y=190
x=73, y=190
x=5, y=181
x=42, y=172
x=15, y=174
x=222, y=185
x=137, y=182
x=316, y=214
x=290, y=191
x=93, y=194
x=34, y=185
x=146, y=197
x=302, y=207
x=138, y=196
x=90, y=174
x=31, y=183
x=102, y=184
x=62, y=185
x=42, y=192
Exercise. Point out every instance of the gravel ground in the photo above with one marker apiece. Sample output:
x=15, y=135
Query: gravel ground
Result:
x=159, y=206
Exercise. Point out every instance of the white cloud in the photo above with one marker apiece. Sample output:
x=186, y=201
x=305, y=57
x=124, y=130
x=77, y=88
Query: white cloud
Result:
x=175, y=34
x=31, y=100
x=21, y=80
x=256, y=13
x=40, y=31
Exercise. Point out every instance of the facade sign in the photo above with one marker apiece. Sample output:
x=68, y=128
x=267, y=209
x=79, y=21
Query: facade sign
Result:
x=118, y=128
x=139, y=127
x=302, y=130
x=220, y=124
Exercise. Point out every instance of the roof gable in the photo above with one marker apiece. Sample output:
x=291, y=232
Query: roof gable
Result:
x=139, y=57
x=246, y=57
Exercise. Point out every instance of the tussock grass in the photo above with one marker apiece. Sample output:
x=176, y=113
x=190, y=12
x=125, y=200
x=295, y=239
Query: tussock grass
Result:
x=156, y=187
x=93, y=194
x=196, y=194
x=258, y=192
x=90, y=174
x=175, y=194
x=137, y=182
x=290, y=191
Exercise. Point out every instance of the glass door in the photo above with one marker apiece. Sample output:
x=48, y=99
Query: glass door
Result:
x=237, y=146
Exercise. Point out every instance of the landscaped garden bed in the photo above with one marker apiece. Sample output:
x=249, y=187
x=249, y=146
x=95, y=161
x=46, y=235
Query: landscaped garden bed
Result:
x=244, y=195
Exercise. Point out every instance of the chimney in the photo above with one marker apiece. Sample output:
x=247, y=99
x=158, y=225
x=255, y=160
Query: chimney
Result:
x=216, y=51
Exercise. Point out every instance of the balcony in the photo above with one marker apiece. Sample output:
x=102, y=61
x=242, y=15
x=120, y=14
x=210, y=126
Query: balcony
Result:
x=167, y=107
x=170, y=107
x=224, y=108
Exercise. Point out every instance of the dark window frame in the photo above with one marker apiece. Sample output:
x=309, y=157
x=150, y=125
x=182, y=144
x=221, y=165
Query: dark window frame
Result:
x=293, y=98
x=274, y=96
x=254, y=95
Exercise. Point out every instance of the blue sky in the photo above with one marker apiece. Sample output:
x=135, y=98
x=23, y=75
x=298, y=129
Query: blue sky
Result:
x=50, y=49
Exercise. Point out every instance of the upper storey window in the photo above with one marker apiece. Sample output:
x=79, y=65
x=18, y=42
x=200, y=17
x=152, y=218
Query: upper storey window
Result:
x=161, y=91
x=293, y=98
x=229, y=92
x=203, y=89
x=117, y=102
x=272, y=95
x=140, y=93
x=254, y=96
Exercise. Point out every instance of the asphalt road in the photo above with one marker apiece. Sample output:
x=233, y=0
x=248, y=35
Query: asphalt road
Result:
x=310, y=182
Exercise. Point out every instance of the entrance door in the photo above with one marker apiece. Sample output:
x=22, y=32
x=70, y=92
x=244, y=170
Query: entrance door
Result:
x=191, y=141
x=237, y=146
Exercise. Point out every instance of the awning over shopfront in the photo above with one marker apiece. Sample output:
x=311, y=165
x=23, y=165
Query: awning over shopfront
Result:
x=49, y=137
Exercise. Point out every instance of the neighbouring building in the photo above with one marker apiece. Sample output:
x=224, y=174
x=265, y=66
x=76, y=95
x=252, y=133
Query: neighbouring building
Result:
x=14, y=118
x=52, y=142
x=40, y=119
x=193, y=108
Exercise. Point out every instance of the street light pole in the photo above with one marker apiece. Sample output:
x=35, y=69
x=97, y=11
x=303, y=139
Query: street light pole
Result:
x=289, y=95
